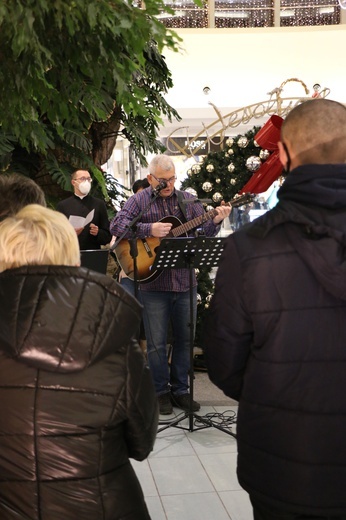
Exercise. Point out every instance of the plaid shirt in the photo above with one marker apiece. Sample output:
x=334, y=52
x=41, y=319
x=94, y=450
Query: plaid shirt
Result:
x=176, y=280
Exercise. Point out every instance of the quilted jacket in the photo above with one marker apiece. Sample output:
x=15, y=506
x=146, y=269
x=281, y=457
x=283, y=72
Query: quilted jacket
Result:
x=77, y=399
x=276, y=341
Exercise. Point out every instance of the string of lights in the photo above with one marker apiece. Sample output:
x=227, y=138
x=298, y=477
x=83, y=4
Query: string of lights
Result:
x=257, y=13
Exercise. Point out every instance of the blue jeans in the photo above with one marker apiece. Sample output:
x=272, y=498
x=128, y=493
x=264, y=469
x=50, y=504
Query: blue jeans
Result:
x=129, y=286
x=162, y=309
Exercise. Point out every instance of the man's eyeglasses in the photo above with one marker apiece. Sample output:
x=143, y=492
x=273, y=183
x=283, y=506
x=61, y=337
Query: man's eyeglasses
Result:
x=171, y=180
x=83, y=179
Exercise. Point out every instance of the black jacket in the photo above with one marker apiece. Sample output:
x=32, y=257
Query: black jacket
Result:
x=74, y=205
x=276, y=341
x=77, y=399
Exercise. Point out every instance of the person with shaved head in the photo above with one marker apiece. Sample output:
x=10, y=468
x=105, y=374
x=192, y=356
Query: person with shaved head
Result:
x=275, y=336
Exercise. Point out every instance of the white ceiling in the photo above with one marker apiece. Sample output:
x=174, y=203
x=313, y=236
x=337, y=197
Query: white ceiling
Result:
x=240, y=66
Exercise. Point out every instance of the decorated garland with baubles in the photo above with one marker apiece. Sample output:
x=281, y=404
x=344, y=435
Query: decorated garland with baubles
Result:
x=221, y=175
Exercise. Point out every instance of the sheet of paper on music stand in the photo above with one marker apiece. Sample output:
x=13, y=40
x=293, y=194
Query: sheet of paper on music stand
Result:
x=79, y=222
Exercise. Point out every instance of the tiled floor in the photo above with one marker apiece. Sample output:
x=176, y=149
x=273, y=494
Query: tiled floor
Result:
x=191, y=475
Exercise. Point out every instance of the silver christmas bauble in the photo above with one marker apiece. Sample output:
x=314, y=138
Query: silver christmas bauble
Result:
x=264, y=154
x=189, y=172
x=210, y=168
x=229, y=141
x=208, y=298
x=230, y=151
x=218, y=180
x=192, y=191
x=253, y=163
x=199, y=299
x=256, y=144
x=196, y=168
x=209, y=208
x=207, y=186
x=231, y=167
x=243, y=142
x=217, y=197
x=233, y=182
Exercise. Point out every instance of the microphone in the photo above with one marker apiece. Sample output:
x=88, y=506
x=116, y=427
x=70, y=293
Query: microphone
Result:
x=161, y=186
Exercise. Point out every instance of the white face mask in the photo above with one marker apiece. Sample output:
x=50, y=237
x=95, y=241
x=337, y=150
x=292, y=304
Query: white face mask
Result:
x=84, y=187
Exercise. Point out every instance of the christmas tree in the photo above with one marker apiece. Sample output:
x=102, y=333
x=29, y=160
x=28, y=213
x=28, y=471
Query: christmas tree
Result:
x=221, y=176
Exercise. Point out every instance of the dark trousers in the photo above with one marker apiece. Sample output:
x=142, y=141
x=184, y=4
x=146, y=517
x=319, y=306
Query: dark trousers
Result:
x=263, y=511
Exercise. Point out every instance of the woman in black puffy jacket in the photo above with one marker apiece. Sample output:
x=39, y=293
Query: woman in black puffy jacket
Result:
x=76, y=393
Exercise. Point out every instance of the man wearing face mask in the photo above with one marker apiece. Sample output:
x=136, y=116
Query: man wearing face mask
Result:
x=95, y=234
x=275, y=335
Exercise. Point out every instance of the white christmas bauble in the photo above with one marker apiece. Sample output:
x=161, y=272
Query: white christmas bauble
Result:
x=189, y=172
x=233, y=182
x=192, y=191
x=230, y=151
x=207, y=186
x=210, y=168
x=229, y=141
x=253, y=163
x=231, y=167
x=264, y=154
x=217, y=197
x=218, y=180
x=243, y=142
x=199, y=299
x=256, y=144
x=196, y=168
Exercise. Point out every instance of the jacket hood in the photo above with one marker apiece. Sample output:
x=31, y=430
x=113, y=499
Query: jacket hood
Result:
x=313, y=199
x=63, y=319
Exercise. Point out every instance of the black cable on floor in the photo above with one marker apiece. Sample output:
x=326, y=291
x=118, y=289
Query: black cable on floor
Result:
x=226, y=419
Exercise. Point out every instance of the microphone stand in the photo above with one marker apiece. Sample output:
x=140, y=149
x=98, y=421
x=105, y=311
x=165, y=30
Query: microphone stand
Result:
x=132, y=228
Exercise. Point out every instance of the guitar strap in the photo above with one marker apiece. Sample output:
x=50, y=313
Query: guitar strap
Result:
x=181, y=205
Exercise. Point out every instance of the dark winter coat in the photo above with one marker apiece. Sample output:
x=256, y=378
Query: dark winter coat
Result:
x=77, y=399
x=276, y=341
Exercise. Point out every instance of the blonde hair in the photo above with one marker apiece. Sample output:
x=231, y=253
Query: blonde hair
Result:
x=37, y=236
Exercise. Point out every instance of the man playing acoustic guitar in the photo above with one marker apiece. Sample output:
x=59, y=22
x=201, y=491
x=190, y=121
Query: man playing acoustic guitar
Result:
x=165, y=295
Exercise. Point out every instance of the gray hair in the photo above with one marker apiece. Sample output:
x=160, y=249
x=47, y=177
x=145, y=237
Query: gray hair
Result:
x=161, y=161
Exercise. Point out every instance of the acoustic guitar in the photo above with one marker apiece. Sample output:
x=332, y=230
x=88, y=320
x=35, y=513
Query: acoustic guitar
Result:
x=147, y=246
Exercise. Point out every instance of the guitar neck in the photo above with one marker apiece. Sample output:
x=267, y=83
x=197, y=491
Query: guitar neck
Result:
x=197, y=221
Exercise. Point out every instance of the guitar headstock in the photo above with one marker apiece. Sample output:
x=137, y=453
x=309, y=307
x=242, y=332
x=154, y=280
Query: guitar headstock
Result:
x=240, y=200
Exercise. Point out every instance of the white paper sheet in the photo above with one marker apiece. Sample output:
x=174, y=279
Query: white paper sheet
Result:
x=80, y=222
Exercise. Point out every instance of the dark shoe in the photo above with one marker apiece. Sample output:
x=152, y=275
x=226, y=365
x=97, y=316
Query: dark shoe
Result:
x=183, y=402
x=165, y=404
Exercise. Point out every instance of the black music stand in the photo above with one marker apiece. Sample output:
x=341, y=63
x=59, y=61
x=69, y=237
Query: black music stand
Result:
x=189, y=253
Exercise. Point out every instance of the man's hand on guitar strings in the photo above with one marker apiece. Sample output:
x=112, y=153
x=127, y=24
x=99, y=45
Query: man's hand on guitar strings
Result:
x=223, y=211
x=160, y=229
